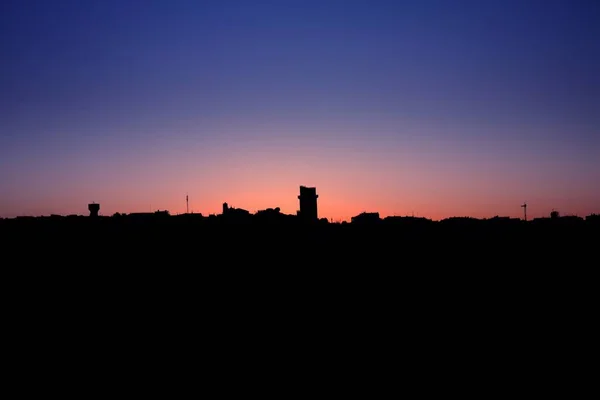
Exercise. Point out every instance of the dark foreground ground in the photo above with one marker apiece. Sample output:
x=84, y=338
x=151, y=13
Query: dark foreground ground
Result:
x=177, y=242
x=408, y=263
x=518, y=297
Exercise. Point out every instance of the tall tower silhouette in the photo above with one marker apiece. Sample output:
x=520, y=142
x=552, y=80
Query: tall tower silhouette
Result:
x=308, y=203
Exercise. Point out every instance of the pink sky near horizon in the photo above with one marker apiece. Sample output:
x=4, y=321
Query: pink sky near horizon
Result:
x=432, y=179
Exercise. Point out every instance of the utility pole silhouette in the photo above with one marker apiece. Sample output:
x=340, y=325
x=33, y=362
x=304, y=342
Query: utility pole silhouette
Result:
x=524, y=205
x=187, y=204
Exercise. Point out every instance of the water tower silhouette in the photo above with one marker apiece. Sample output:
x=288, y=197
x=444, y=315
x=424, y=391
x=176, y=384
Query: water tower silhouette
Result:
x=94, y=208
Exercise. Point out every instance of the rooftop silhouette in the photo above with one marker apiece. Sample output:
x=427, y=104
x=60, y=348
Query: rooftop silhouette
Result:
x=233, y=221
x=308, y=213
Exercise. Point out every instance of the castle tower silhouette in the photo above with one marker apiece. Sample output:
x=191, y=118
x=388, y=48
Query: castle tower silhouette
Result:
x=308, y=203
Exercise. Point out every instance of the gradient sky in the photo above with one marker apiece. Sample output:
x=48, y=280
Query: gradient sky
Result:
x=434, y=107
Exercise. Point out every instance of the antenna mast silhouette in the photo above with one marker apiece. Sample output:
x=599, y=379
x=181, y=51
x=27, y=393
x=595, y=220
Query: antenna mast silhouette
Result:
x=524, y=205
x=187, y=204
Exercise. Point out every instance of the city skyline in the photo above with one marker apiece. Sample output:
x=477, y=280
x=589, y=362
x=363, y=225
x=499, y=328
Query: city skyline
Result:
x=308, y=202
x=430, y=107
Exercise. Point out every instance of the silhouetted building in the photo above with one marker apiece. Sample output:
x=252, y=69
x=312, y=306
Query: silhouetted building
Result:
x=366, y=217
x=94, y=209
x=269, y=211
x=593, y=218
x=407, y=221
x=234, y=212
x=308, y=203
x=149, y=215
x=273, y=215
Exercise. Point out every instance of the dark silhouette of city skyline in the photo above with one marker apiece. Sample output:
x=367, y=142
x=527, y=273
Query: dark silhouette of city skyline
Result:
x=275, y=238
x=307, y=212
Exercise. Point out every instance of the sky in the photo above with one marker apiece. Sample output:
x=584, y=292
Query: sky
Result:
x=432, y=108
